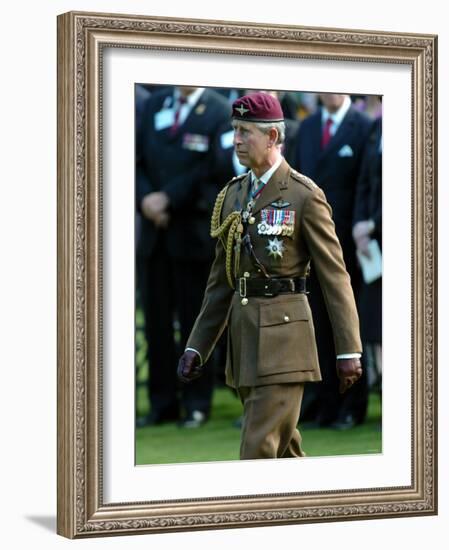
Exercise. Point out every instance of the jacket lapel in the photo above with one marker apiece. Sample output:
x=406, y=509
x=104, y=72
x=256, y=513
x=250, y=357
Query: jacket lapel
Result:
x=314, y=140
x=272, y=190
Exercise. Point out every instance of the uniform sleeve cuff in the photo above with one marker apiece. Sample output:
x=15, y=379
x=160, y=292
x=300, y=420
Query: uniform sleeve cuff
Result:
x=349, y=356
x=197, y=352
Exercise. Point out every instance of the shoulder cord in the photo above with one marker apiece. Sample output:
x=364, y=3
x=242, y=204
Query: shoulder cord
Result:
x=233, y=224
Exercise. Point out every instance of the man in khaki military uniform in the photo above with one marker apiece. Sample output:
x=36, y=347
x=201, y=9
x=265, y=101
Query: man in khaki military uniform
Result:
x=270, y=223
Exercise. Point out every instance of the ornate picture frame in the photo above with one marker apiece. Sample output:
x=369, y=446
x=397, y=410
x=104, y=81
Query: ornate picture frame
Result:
x=82, y=39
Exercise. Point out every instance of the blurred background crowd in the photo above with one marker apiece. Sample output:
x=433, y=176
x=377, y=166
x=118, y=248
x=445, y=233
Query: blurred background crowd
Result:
x=184, y=157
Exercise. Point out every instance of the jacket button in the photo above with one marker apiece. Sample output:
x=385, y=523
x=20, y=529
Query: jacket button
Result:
x=244, y=301
x=286, y=318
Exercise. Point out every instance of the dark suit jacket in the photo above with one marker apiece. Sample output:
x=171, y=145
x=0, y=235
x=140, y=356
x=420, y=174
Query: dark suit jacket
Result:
x=368, y=201
x=335, y=169
x=183, y=167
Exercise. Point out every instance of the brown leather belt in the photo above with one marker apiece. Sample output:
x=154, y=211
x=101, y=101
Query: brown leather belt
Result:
x=270, y=287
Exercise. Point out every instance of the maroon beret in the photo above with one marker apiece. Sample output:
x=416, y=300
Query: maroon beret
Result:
x=257, y=107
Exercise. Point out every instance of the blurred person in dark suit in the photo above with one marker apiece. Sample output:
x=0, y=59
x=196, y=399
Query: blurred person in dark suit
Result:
x=329, y=150
x=308, y=104
x=175, y=193
x=141, y=97
x=227, y=163
x=290, y=103
x=371, y=105
x=368, y=227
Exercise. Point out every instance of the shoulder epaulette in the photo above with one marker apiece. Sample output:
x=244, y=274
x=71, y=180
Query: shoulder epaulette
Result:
x=310, y=184
x=237, y=178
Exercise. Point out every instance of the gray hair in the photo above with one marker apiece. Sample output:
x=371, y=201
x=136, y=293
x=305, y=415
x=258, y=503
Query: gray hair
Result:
x=265, y=127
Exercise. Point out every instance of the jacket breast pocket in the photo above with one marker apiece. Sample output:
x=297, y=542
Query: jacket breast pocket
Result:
x=286, y=337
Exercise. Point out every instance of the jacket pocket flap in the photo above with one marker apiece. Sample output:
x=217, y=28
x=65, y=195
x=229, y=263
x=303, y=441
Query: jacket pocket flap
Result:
x=283, y=312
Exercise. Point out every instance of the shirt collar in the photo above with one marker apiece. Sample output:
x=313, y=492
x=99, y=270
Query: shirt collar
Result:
x=264, y=178
x=191, y=99
x=339, y=115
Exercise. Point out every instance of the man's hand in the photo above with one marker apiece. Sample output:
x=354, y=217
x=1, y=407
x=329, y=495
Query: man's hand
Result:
x=361, y=234
x=161, y=220
x=363, y=246
x=189, y=366
x=348, y=371
x=154, y=206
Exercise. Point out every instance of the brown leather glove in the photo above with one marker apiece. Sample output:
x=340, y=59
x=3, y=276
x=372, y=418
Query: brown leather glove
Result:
x=348, y=371
x=189, y=366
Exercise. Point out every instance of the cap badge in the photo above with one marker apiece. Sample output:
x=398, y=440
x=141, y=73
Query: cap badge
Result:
x=242, y=110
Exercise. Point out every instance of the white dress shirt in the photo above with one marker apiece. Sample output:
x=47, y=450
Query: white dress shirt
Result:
x=337, y=117
x=172, y=102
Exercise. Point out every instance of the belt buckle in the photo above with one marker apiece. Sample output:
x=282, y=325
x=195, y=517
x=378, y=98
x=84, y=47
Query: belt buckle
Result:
x=270, y=288
x=242, y=287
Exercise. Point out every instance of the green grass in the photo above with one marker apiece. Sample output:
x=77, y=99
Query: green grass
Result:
x=219, y=439
x=363, y=439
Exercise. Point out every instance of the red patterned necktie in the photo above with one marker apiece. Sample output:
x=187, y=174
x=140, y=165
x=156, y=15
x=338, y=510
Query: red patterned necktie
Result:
x=181, y=101
x=326, y=136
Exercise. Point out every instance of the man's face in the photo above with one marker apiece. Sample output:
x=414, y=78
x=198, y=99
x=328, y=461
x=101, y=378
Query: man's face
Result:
x=332, y=102
x=186, y=90
x=251, y=145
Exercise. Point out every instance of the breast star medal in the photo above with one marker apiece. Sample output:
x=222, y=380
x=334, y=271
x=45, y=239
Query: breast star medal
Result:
x=275, y=247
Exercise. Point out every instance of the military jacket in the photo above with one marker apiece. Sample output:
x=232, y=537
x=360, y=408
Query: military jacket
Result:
x=271, y=340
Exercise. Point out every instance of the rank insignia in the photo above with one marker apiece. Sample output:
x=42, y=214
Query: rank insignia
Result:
x=275, y=248
x=280, y=204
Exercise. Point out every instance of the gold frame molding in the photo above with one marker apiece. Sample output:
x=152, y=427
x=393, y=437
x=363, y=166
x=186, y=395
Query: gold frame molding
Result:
x=81, y=39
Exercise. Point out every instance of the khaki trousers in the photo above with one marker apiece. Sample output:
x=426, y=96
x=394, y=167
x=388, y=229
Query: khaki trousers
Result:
x=270, y=416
